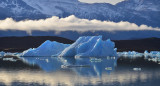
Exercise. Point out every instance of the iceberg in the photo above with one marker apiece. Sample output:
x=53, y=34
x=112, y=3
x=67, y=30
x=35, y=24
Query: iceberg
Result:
x=84, y=46
x=2, y=54
x=130, y=54
x=134, y=54
x=153, y=54
x=48, y=48
x=90, y=46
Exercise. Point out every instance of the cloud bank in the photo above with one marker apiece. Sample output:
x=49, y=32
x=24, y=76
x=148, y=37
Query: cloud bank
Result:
x=70, y=23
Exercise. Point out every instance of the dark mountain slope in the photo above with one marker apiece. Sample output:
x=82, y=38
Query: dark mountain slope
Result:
x=19, y=44
x=16, y=44
x=140, y=45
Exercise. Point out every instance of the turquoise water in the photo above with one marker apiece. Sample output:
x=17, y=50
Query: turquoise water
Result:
x=69, y=71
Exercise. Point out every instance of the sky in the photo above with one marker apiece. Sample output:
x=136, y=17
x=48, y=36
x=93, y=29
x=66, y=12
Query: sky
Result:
x=102, y=1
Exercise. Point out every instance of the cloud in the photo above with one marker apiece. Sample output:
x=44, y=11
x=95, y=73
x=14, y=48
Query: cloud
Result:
x=102, y=1
x=70, y=23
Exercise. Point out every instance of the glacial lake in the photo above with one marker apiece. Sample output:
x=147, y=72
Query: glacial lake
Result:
x=87, y=71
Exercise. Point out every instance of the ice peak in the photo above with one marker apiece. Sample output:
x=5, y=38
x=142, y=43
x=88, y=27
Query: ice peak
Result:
x=90, y=46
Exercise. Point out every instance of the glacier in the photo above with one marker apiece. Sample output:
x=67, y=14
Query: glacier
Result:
x=85, y=46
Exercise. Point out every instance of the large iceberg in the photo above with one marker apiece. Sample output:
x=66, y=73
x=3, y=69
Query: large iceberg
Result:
x=48, y=48
x=83, y=47
x=90, y=46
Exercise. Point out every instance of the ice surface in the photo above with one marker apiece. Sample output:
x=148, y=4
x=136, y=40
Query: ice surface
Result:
x=146, y=54
x=48, y=48
x=152, y=54
x=2, y=53
x=130, y=54
x=90, y=46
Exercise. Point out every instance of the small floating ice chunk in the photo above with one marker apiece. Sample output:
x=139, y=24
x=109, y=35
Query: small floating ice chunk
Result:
x=72, y=66
x=9, y=59
x=146, y=52
x=152, y=54
x=96, y=59
x=130, y=54
x=108, y=68
x=8, y=54
x=137, y=69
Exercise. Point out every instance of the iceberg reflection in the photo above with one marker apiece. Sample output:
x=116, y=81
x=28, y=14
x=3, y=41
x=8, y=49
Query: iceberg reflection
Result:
x=83, y=66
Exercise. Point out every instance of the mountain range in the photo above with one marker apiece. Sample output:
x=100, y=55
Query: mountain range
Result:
x=135, y=11
x=19, y=44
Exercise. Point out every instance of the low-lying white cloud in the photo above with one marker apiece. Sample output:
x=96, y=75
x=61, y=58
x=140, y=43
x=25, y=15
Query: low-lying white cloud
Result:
x=102, y=1
x=70, y=23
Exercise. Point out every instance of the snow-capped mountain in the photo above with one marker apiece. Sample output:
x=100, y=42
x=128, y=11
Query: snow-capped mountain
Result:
x=135, y=11
x=140, y=5
x=18, y=10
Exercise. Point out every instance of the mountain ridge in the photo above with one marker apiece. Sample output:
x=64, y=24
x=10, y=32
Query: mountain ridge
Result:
x=19, y=44
x=146, y=12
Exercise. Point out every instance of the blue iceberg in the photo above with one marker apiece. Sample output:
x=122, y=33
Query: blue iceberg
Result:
x=2, y=53
x=86, y=46
x=48, y=48
x=90, y=46
x=131, y=54
x=146, y=54
x=152, y=54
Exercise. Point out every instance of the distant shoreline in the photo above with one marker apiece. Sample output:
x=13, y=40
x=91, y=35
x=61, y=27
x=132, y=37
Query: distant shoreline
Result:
x=19, y=44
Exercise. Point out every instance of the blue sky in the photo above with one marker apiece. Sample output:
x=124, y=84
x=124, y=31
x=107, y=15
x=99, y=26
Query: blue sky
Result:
x=101, y=1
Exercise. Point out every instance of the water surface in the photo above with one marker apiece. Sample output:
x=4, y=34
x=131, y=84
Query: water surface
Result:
x=70, y=71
